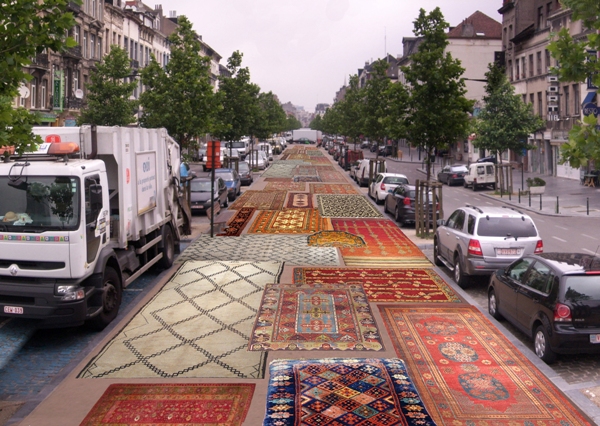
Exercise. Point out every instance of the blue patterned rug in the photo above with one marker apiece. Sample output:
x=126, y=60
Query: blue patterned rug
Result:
x=343, y=392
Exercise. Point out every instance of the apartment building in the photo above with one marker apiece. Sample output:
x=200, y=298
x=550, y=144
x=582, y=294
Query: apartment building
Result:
x=526, y=29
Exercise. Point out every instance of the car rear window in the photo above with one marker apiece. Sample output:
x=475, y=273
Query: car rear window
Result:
x=582, y=288
x=515, y=227
x=226, y=175
x=394, y=180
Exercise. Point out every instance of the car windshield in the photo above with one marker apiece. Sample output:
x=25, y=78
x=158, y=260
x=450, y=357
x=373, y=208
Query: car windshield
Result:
x=517, y=227
x=243, y=167
x=200, y=185
x=43, y=202
x=395, y=180
x=459, y=169
x=582, y=287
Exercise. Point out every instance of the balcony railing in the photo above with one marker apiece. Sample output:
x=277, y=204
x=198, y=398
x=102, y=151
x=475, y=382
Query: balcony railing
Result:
x=73, y=103
x=74, y=7
x=40, y=61
x=134, y=64
x=74, y=52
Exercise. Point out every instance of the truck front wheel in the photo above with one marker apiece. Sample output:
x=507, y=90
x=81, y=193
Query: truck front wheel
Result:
x=109, y=298
x=168, y=249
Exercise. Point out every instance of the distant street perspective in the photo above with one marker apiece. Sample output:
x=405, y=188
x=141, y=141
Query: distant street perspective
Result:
x=183, y=243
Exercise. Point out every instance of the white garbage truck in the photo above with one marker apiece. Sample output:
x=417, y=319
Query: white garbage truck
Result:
x=82, y=217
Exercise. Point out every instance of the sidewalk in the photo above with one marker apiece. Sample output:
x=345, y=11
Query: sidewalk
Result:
x=563, y=197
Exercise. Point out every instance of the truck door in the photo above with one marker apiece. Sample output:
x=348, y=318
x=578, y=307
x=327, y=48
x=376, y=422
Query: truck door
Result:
x=93, y=223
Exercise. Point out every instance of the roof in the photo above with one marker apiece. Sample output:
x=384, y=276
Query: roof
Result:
x=572, y=262
x=478, y=25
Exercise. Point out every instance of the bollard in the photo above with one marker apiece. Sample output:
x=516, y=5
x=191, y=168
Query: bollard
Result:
x=509, y=194
x=557, y=206
x=588, y=205
x=540, y=202
x=529, y=198
x=519, y=195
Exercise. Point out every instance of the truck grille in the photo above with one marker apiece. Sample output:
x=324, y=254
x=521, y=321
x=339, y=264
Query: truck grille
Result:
x=32, y=265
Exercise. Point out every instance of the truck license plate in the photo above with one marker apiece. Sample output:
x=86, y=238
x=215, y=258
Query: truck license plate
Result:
x=507, y=252
x=594, y=338
x=13, y=310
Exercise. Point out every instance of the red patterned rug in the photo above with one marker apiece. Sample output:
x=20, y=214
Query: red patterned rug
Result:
x=384, y=285
x=291, y=221
x=331, y=176
x=299, y=200
x=328, y=317
x=238, y=222
x=260, y=200
x=331, y=188
x=286, y=185
x=175, y=404
x=467, y=372
x=387, y=246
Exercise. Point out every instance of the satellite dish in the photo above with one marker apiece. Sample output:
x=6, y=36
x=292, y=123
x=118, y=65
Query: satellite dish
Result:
x=79, y=93
x=24, y=91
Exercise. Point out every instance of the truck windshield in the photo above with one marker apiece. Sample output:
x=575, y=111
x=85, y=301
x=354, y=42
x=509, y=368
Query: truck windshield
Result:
x=39, y=203
x=237, y=144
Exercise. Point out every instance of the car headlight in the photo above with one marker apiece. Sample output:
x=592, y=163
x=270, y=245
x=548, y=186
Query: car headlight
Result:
x=70, y=292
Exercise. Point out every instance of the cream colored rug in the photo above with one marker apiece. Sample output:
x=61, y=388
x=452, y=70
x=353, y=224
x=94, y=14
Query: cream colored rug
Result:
x=198, y=325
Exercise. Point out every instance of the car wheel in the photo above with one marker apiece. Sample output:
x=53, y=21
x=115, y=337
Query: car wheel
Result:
x=385, y=209
x=226, y=202
x=493, y=305
x=204, y=168
x=397, y=214
x=168, y=250
x=465, y=184
x=493, y=186
x=108, y=297
x=459, y=277
x=436, y=254
x=475, y=186
x=448, y=181
x=541, y=344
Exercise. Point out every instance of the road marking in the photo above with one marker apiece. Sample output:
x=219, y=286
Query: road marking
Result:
x=559, y=239
x=560, y=227
x=589, y=251
x=477, y=199
x=487, y=202
x=589, y=236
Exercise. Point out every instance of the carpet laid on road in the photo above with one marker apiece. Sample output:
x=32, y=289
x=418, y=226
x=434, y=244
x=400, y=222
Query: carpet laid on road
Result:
x=260, y=200
x=306, y=171
x=343, y=392
x=280, y=169
x=291, y=249
x=467, y=372
x=198, y=325
x=237, y=223
x=335, y=239
x=346, y=205
x=290, y=221
x=387, y=246
x=307, y=179
x=331, y=188
x=285, y=185
x=384, y=285
x=299, y=200
x=327, y=317
x=331, y=176
x=172, y=404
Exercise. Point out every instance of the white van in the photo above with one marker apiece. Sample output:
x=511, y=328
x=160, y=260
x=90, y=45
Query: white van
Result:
x=480, y=175
x=360, y=171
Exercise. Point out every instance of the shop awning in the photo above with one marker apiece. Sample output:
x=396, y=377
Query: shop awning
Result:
x=589, y=98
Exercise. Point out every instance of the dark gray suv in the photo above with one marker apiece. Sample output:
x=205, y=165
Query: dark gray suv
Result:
x=554, y=298
x=478, y=241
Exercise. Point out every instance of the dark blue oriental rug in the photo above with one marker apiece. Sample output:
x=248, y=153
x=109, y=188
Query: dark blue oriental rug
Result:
x=343, y=392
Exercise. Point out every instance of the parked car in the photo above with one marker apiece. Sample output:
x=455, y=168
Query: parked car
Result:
x=225, y=152
x=385, y=183
x=554, y=298
x=362, y=172
x=401, y=204
x=245, y=173
x=260, y=160
x=267, y=148
x=200, y=194
x=304, y=141
x=478, y=241
x=385, y=150
x=365, y=144
x=487, y=159
x=453, y=175
x=232, y=180
x=480, y=175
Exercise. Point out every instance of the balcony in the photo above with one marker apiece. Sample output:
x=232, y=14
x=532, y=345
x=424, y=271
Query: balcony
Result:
x=40, y=61
x=73, y=7
x=73, y=52
x=73, y=103
x=134, y=64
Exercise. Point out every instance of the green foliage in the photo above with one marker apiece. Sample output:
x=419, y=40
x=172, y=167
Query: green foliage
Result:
x=350, y=117
x=536, y=181
x=375, y=105
x=505, y=122
x=292, y=123
x=27, y=28
x=270, y=118
x=108, y=102
x=180, y=97
x=576, y=64
x=317, y=123
x=395, y=121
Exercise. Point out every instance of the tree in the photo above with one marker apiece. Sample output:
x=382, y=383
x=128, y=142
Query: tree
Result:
x=439, y=111
x=316, y=123
x=375, y=104
x=395, y=121
x=351, y=115
x=505, y=121
x=577, y=63
x=180, y=97
x=27, y=28
x=271, y=116
x=292, y=123
x=108, y=102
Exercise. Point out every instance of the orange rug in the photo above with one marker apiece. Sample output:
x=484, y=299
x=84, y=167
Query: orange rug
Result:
x=172, y=404
x=331, y=188
x=384, y=285
x=290, y=221
x=260, y=200
x=236, y=225
x=286, y=185
x=468, y=373
x=299, y=200
x=387, y=246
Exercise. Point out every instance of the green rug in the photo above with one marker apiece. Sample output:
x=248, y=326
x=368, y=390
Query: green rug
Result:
x=346, y=205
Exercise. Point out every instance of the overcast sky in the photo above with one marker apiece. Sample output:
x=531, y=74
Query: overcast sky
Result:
x=303, y=50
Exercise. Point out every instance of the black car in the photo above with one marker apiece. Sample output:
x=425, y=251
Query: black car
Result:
x=401, y=204
x=554, y=298
x=453, y=175
x=245, y=173
x=488, y=159
x=200, y=194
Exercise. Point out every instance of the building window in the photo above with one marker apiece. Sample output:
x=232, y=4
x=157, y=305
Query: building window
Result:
x=126, y=44
x=34, y=93
x=539, y=63
x=567, y=100
x=523, y=67
x=539, y=106
x=85, y=44
x=518, y=72
x=541, y=23
x=76, y=77
x=76, y=34
x=548, y=65
x=504, y=38
x=93, y=46
x=99, y=47
x=576, y=100
x=94, y=9
x=548, y=11
x=44, y=94
x=510, y=71
x=530, y=65
x=131, y=49
x=531, y=101
x=135, y=51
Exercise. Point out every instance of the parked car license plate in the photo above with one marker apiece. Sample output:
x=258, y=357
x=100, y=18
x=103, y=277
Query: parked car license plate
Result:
x=13, y=310
x=507, y=251
x=594, y=338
